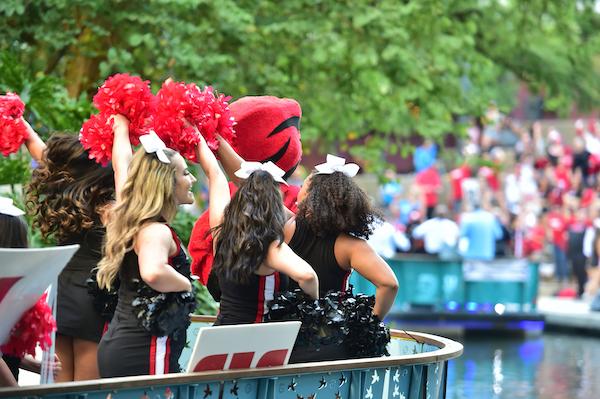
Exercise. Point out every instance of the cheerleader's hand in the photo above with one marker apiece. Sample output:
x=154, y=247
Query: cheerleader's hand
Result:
x=120, y=123
x=56, y=366
x=30, y=363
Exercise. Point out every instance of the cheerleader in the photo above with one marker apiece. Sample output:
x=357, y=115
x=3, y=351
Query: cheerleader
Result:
x=329, y=231
x=252, y=261
x=142, y=251
x=68, y=196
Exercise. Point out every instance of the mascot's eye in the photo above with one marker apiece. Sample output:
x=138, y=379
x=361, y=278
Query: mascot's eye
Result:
x=289, y=122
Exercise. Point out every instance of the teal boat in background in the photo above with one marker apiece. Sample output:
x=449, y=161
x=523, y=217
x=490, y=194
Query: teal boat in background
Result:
x=500, y=294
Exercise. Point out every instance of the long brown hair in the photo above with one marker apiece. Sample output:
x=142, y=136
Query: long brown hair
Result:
x=252, y=221
x=148, y=196
x=68, y=190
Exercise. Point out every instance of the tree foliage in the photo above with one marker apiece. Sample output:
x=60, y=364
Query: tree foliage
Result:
x=375, y=69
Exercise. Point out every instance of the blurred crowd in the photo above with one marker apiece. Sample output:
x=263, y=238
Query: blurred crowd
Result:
x=510, y=191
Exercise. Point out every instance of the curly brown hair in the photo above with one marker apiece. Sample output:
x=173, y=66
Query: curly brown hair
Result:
x=252, y=221
x=335, y=204
x=68, y=190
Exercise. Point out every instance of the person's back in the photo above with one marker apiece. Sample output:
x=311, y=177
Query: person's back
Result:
x=481, y=229
x=438, y=234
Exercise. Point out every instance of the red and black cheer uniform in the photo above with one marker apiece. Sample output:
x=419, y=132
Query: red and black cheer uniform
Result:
x=246, y=303
x=127, y=348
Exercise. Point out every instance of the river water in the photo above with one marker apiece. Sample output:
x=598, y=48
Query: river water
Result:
x=549, y=366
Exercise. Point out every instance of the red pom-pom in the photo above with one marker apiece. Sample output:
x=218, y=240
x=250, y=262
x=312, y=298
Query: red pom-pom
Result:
x=13, y=131
x=178, y=105
x=35, y=327
x=97, y=137
x=129, y=96
x=11, y=106
x=122, y=94
x=13, y=134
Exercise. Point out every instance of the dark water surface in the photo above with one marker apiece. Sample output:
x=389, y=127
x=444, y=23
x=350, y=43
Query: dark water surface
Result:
x=549, y=366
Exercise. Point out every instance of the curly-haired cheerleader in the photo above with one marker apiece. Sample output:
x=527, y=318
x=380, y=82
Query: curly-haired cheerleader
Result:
x=69, y=195
x=329, y=231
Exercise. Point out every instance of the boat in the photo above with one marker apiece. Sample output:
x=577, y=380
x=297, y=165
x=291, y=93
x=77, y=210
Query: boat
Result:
x=417, y=368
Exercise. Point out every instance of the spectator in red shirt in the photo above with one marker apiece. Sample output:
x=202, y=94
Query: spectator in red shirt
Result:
x=456, y=178
x=430, y=184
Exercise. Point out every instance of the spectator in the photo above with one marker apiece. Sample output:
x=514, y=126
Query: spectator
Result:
x=424, y=156
x=391, y=189
x=557, y=231
x=581, y=163
x=439, y=234
x=430, y=185
x=457, y=176
x=575, y=253
x=386, y=240
x=480, y=229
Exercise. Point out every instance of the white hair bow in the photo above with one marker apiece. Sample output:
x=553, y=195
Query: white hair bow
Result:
x=337, y=164
x=153, y=144
x=7, y=207
x=248, y=167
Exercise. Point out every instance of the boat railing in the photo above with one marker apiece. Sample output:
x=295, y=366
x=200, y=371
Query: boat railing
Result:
x=417, y=367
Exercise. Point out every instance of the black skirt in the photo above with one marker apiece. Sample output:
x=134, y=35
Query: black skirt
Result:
x=76, y=315
x=127, y=350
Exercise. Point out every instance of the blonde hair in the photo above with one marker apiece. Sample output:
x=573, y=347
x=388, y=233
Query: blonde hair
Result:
x=147, y=196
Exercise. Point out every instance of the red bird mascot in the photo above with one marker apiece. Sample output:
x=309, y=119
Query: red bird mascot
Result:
x=267, y=129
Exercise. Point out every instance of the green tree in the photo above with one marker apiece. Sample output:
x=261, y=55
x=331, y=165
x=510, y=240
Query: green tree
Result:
x=361, y=69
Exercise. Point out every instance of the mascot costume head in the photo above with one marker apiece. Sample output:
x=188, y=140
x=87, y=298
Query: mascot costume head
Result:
x=267, y=129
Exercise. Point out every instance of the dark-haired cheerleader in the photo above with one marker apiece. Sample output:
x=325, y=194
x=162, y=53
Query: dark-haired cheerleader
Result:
x=334, y=219
x=251, y=259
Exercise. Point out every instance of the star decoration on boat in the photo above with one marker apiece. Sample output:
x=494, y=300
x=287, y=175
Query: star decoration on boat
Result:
x=322, y=383
x=234, y=389
x=396, y=376
x=342, y=380
x=369, y=394
x=374, y=377
x=207, y=392
x=293, y=384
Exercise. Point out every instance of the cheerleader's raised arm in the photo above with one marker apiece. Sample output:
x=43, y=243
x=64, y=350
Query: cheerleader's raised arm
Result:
x=121, y=152
x=35, y=145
